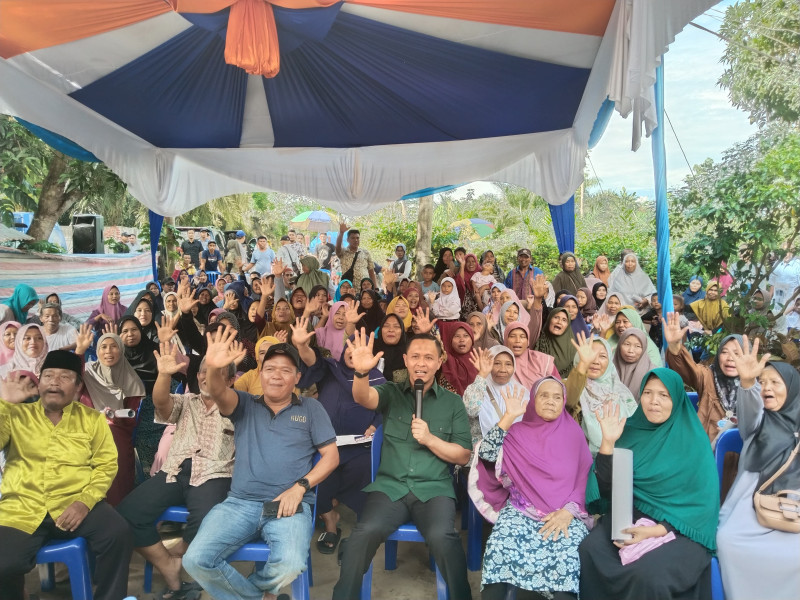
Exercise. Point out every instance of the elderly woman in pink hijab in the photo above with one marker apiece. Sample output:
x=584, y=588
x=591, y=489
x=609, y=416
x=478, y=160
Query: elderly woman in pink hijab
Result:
x=530, y=481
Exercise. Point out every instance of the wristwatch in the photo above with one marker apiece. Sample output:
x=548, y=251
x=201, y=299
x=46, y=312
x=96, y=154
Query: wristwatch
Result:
x=360, y=375
x=304, y=482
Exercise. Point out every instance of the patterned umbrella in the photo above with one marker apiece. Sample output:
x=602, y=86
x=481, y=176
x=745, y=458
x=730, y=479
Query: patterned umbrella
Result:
x=480, y=228
x=312, y=220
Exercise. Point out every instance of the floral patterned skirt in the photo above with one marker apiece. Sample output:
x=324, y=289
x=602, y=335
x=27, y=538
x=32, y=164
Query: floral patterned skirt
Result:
x=517, y=554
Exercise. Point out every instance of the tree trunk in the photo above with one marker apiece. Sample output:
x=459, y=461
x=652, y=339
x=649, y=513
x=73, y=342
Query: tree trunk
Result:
x=53, y=199
x=422, y=249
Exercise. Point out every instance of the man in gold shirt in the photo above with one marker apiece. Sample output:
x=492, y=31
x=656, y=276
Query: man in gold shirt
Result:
x=60, y=462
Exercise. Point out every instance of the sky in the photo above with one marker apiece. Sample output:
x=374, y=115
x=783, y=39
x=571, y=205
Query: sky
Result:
x=703, y=118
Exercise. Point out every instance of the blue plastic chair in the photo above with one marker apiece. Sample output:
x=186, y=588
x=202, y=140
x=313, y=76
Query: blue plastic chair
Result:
x=729, y=441
x=74, y=554
x=407, y=532
x=694, y=398
x=472, y=521
x=717, y=593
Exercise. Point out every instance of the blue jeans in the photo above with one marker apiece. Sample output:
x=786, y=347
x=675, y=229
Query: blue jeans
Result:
x=230, y=525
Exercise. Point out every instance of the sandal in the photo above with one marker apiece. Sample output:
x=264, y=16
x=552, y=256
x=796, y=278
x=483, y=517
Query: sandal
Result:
x=188, y=591
x=327, y=541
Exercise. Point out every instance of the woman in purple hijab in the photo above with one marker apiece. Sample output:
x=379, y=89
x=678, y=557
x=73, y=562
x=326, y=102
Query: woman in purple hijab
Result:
x=530, y=481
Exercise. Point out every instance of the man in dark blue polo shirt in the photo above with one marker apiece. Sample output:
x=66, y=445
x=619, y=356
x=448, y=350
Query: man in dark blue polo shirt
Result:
x=276, y=437
x=413, y=481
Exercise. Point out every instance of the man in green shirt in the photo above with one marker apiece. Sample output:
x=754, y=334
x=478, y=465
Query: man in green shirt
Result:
x=413, y=481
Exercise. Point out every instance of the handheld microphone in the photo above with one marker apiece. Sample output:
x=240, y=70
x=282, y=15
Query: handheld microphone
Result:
x=418, y=385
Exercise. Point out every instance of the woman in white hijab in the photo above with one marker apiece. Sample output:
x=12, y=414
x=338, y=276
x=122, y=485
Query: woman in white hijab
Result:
x=630, y=283
x=483, y=398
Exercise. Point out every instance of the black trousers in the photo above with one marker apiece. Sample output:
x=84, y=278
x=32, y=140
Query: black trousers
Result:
x=498, y=591
x=142, y=507
x=435, y=520
x=105, y=531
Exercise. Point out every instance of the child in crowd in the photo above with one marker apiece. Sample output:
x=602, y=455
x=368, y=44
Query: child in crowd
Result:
x=482, y=282
x=447, y=305
x=428, y=284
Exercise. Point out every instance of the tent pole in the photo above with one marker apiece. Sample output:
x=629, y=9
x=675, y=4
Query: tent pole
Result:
x=155, y=235
x=663, y=279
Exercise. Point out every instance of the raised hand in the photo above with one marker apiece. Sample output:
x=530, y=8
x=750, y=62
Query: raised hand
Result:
x=267, y=287
x=516, y=401
x=431, y=297
x=17, y=387
x=673, y=333
x=363, y=358
x=110, y=328
x=184, y=289
x=424, y=323
x=610, y=424
x=540, y=287
x=167, y=359
x=747, y=363
x=389, y=279
x=325, y=308
x=240, y=351
x=482, y=361
x=585, y=349
x=601, y=323
x=343, y=227
x=186, y=303
x=300, y=333
x=230, y=299
x=277, y=268
x=282, y=335
x=352, y=315
x=490, y=322
x=84, y=339
x=166, y=330
x=221, y=352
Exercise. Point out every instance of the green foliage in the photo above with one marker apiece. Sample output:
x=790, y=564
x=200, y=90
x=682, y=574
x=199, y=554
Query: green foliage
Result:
x=115, y=247
x=41, y=246
x=762, y=58
x=744, y=210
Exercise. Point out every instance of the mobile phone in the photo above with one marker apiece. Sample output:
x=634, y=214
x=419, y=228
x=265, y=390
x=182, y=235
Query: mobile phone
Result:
x=270, y=509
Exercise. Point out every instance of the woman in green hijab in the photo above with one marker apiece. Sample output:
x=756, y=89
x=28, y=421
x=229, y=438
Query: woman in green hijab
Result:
x=311, y=275
x=675, y=500
x=555, y=339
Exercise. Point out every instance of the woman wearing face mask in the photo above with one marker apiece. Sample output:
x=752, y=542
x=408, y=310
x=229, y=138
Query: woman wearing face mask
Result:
x=758, y=562
x=483, y=398
x=334, y=380
x=675, y=501
x=30, y=350
x=111, y=384
x=530, y=481
x=631, y=359
x=716, y=385
x=594, y=385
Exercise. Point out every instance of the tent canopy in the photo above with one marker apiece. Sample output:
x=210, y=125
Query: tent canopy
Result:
x=355, y=103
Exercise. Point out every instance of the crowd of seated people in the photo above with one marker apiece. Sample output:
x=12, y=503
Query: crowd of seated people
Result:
x=234, y=397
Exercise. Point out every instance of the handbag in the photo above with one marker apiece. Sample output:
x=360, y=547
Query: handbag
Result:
x=778, y=511
x=351, y=271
